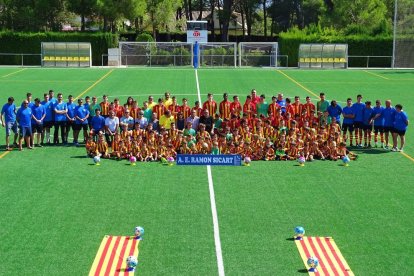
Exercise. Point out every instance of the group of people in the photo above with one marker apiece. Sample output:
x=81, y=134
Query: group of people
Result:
x=283, y=129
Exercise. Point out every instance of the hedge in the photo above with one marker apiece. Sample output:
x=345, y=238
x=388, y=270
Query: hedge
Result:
x=30, y=43
x=358, y=45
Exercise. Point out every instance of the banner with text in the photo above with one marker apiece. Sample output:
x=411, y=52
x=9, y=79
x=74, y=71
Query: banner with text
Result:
x=213, y=160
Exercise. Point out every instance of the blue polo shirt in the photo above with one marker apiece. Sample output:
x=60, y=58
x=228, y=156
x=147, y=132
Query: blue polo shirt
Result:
x=81, y=112
x=54, y=101
x=48, y=106
x=71, y=109
x=400, y=121
x=388, y=114
x=348, y=110
x=9, y=112
x=335, y=111
x=87, y=106
x=38, y=112
x=98, y=122
x=380, y=120
x=24, y=115
x=367, y=115
x=282, y=104
x=60, y=117
x=358, y=111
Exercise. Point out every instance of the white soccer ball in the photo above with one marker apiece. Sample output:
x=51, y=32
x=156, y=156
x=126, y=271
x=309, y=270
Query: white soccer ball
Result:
x=96, y=159
x=132, y=261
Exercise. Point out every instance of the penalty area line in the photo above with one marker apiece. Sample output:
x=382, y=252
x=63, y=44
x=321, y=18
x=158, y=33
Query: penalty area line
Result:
x=297, y=83
x=217, y=241
x=4, y=154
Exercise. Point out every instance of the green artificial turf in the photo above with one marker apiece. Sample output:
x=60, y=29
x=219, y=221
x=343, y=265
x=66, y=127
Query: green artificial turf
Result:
x=56, y=206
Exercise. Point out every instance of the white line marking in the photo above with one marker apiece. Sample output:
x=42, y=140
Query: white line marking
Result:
x=148, y=94
x=217, y=241
x=219, y=254
x=198, y=86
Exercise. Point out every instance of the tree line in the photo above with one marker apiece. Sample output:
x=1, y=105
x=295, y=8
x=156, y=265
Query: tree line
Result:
x=258, y=17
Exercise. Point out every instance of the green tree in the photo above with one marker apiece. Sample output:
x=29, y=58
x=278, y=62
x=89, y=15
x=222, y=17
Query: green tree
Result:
x=84, y=8
x=363, y=16
x=161, y=14
x=134, y=10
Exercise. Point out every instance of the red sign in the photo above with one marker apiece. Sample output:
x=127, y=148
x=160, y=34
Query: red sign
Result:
x=196, y=33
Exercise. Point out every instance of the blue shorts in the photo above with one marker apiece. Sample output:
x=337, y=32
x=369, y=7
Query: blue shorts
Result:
x=358, y=125
x=37, y=128
x=11, y=126
x=388, y=129
x=367, y=127
x=379, y=129
x=346, y=127
x=25, y=131
x=399, y=132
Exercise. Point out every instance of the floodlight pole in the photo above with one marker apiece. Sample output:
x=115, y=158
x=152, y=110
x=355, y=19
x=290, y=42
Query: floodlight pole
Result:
x=394, y=33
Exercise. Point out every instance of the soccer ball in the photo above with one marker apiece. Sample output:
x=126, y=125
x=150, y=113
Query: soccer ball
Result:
x=132, y=159
x=170, y=160
x=346, y=160
x=96, y=160
x=313, y=263
x=299, y=232
x=301, y=161
x=132, y=262
x=247, y=161
x=139, y=232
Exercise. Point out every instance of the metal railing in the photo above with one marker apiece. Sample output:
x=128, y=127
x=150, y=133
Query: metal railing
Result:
x=279, y=61
x=21, y=60
x=177, y=60
x=150, y=60
x=368, y=60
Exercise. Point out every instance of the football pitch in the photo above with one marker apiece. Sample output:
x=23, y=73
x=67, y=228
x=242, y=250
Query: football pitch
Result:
x=56, y=206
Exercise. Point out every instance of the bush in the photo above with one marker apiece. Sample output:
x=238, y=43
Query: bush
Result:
x=30, y=43
x=144, y=37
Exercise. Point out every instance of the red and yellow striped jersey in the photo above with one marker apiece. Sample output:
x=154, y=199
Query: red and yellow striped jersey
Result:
x=225, y=109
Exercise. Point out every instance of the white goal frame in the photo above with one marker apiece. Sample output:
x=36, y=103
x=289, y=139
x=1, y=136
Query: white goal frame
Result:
x=152, y=58
x=244, y=56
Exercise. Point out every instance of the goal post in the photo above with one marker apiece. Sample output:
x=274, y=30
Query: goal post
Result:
x=403, y=36
x=218, y=54
x=258, y=54
x=155, y=54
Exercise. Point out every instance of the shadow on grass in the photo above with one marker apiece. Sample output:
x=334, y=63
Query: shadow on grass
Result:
x=290, y=239
x=398, y=72
x=79, y=156
x=369, y=151
x=303, y=270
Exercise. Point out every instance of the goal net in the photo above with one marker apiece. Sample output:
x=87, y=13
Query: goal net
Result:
x=403, y=52
x=262, y=54
x=218, y=54
x=155, y=53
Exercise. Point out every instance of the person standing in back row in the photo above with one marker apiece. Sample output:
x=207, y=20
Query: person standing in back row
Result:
x=24, y=117
x=61, y=111
x=358, y=107
x=400, y=127
x=9, y=121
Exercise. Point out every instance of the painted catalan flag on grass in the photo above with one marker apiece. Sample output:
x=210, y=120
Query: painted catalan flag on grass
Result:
x=331, y=261
x=112, y=254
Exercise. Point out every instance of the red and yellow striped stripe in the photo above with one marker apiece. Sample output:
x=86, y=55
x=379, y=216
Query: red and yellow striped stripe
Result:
x=112, y=254
x=331, y=261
